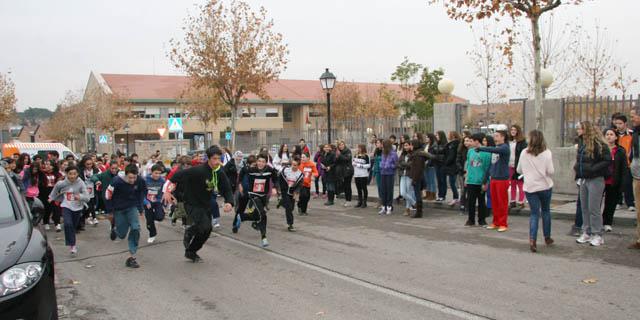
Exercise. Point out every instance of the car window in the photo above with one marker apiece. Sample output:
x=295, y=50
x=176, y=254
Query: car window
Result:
x=7, y=210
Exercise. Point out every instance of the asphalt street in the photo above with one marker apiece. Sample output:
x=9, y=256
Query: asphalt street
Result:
x=346, y=263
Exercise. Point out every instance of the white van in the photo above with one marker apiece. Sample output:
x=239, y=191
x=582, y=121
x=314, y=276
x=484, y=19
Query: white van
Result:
x=33, y=148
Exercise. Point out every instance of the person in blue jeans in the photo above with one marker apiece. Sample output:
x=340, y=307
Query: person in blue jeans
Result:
x=388, y=163
x=536, y=165
x=125, y=196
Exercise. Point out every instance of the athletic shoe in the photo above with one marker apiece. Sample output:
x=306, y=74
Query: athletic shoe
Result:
x=382, y=210
x=236, y=225
x=265, y=242
x=584, y=238
x=74, y=251
x=347, y=204
x=619, y=207
x=453, y=202
x=291, y=228
x=151, y=239
x=132, y=263
x=194, y=257
x=502, y=229
x=95, y=222
x=597, y=241
x=112, y=234
x=89, y=221
x=632, y=209
x=58, y=228
x=492, y=227
x=216, y=223
x=439, y=199
x=47, y=227
x=469, y=223
x=608, y=228
x=482, y=223
x=389, y=210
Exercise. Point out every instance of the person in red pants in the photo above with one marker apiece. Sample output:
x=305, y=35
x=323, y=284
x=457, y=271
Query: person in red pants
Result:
x=499, y=173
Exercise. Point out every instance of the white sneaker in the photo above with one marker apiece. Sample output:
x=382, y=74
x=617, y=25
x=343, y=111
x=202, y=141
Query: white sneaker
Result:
x=74, y=250
x=453, y=202
x=151, y=239
x=265, y=242
x=608, y=228
x=632, y=209
x=383, y=209
x=597, y=241
x=584, y=238
x=58, y=228
x=89, y=221
x=216, y=223
x=47, y=227
x=95, y=221
x=388, y=212
x=618, y=207
x=347, y=204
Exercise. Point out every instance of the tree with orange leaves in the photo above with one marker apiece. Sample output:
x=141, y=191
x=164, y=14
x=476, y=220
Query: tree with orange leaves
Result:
x=231, y=49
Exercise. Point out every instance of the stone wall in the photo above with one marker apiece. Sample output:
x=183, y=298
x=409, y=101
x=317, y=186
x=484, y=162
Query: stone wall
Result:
x=564, y=177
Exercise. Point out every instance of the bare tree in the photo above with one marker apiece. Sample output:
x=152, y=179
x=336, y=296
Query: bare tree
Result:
x=595, y=60
x=66, y=125
x=531, y=10
x=231, y=49
x=489, y=67
x=558, y=53
x=623, y=81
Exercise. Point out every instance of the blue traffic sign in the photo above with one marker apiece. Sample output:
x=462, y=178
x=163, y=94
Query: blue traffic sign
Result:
x=175, y=124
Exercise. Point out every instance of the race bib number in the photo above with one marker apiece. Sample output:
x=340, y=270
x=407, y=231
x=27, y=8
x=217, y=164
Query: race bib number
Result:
x=259, y=185
x=69, y=196
x=307, y=173
x=152, y=195
x=290, y=182
x=109, y=193
x=90, y=188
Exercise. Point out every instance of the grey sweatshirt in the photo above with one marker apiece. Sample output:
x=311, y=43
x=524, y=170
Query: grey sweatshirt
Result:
x=64, y=191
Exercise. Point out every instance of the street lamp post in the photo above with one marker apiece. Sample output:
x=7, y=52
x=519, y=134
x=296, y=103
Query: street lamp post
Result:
x=126, y=130
x=328, y=81
x=546, y=79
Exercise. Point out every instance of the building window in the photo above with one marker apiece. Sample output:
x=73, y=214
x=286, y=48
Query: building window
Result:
x=271, y=112
x=287, y=114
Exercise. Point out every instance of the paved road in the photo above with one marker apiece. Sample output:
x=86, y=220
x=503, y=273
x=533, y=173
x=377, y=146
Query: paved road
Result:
x=352, y=264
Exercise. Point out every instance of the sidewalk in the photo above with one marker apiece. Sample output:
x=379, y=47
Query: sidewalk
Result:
x=563, y=206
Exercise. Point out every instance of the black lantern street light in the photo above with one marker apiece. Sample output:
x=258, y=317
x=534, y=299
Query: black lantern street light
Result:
x=126, y=130
x=328, y=81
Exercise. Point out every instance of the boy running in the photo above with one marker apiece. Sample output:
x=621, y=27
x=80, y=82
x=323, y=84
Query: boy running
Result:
x=290, y=183
x=104, y=179
x=257, y=189
x=310, y=171
x=125, y=198
x=199, y=183
x=153, y=209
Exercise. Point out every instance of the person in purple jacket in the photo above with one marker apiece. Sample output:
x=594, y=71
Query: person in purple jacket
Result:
x=317, y=158
x=387, y=172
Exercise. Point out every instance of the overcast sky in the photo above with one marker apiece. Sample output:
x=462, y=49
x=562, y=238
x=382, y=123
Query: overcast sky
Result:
x=51, y=46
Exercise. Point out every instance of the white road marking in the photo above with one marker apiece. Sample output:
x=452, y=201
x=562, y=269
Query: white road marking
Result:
x=364, y=283
x=414, y=225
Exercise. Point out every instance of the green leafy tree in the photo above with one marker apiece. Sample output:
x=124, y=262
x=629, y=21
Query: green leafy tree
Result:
x=406, y=73
x=426, y=94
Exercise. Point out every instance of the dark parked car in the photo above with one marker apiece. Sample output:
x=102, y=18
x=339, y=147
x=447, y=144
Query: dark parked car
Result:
x=27, y=288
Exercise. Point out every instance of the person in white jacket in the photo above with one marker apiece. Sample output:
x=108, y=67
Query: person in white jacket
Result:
x=282, y=158
x=536, y=168
x=361, y=164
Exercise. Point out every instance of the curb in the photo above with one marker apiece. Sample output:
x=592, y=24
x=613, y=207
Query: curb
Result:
x=619, y=221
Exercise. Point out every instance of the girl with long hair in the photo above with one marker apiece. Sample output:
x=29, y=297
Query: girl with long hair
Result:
x=377, y=157
x=406, y=186
x=536, y=165
x=361, y=165
x=438, y=163
x=328, y=165
x=344, y=171
x=517, y=143
x=388, y=163
x=430, y=171
x=613, y=184
x=450, y=168
x=592, y=164
x=281, y=159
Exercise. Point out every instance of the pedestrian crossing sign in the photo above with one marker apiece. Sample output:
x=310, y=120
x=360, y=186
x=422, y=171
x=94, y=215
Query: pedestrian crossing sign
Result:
x=175, y=124
x=103, y=139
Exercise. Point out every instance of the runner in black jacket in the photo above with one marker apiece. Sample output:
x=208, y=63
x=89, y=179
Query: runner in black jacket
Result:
x=200, y=182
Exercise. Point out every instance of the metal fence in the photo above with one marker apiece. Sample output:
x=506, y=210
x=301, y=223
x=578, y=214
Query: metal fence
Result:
x=353, y=132
x=596, y=110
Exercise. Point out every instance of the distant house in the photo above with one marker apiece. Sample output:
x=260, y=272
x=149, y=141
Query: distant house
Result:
x=31, y=134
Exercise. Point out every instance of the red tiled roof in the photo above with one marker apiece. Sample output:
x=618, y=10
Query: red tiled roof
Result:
x=136, y=86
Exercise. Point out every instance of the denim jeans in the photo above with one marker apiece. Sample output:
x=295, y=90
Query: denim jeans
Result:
x=386, y=189
x=454, y=186
x=407, y=192
x=215, y=210
x=71, y=222
x=128, y=219
x=430, y=179
x=540, y=202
